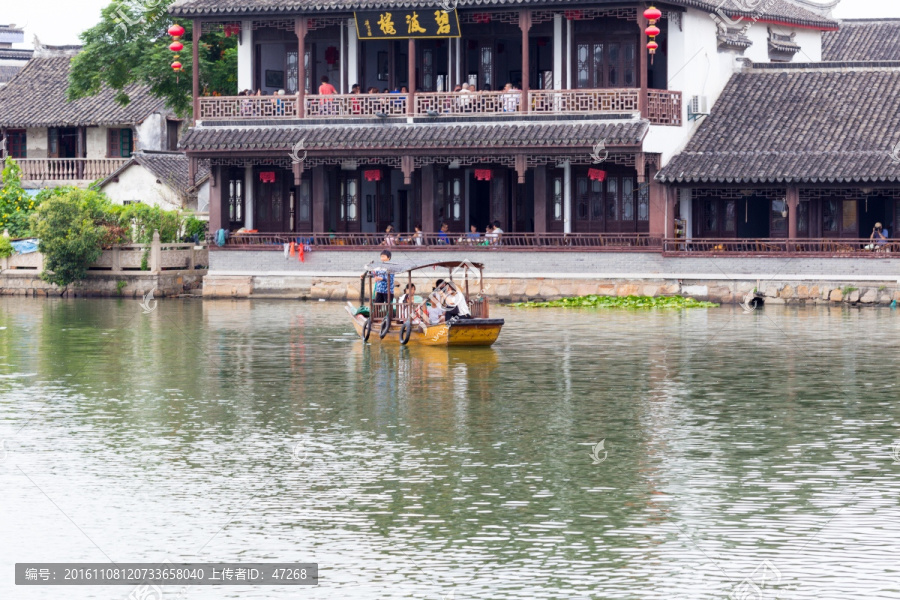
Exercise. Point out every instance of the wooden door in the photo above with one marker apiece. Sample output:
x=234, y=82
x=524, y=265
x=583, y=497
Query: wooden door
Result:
x=236, y=197
x=427, y=61
x=384, y=205
x=555, y=201
x=588, y=205
x=271, y=202
x=608, y=62
x=486, y=67
x=452, y=194
x=348, y=210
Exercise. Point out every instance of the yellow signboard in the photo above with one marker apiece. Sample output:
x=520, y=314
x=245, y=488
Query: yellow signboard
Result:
x=422, y=23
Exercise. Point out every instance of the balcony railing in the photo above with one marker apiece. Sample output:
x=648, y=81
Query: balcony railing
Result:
x=663, y=107
x=773, y=247
x=576, y=242
x=68, y=169
x=356, y=105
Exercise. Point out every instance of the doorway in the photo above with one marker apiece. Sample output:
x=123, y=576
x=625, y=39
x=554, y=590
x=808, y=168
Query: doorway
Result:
x=876, y=209
x=479, y=202
x=753, y=218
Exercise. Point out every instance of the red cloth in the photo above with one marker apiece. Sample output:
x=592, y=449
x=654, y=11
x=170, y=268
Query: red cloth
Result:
x=373, y=175
x=267, y=176
x=597, y=174
x=483, y=174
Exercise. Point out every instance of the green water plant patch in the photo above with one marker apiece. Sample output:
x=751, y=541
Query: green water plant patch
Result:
x=619, y=302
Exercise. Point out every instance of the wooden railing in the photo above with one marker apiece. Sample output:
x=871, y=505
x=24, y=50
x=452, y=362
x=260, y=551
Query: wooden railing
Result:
x=356, y=105
x=479, y=308
x=472, y=103
x=585, y=101
x=610, y=242
x=772, y=247
x=218, y=108
x=663, y=106
x=68, y=169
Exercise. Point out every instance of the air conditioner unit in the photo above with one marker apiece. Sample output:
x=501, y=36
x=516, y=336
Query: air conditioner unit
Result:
x=698, y=107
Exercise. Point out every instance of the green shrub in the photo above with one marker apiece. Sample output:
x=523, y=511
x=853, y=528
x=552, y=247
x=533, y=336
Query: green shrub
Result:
x=195, y=227
x=69, y=233
x=6, y=249
x=16, y=206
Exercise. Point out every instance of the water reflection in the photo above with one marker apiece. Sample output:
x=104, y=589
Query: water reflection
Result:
x=732, y=440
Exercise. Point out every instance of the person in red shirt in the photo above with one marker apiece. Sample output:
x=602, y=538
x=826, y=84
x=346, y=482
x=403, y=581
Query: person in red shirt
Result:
x=326, y=89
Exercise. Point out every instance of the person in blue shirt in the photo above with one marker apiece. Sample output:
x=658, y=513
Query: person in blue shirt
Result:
x=384, y=281
x=443, y=238
x=879, y=236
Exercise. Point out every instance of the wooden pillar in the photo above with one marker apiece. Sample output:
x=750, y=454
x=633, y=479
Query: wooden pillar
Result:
x=411, y=77
x=427, y=196
x=540, y=199
x=318, y=198
x=671, y=196
x=196, y=32
x=525, y=26
x=300, y=30
x=218, y=209
x=793, y=206
x=660, y=217
x=642, y=63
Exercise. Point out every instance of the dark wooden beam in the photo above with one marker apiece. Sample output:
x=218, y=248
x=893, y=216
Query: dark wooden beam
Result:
x=318, y=198
x=300, y=28
x=218, y=210
x=525, y=26
x=427, y=196
x=540, y=199
x=196, y=32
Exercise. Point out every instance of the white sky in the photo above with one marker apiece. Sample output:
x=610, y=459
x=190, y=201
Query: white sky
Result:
x=59, y=22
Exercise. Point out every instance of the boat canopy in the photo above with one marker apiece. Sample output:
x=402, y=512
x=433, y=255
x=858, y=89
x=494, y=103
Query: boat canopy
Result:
x=403, y=267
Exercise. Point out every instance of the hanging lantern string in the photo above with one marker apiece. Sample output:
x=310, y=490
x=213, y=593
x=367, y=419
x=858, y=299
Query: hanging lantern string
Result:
x=652, y=15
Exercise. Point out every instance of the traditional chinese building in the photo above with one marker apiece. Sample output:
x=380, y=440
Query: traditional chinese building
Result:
x=574, y=145
x=57, y=142
x=11, y=59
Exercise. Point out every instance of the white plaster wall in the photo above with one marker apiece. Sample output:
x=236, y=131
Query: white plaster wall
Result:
x=202, y=199
x=138, y=184
x=36, y=142
x=96, y=142
x=245, y=57
x=151, y=134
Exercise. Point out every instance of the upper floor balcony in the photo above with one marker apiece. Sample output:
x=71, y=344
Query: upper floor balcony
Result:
x=663, y=107
x=490, y=63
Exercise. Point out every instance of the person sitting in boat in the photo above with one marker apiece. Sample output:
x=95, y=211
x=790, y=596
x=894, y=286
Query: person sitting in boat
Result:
x=454, y=302
x=408, y=302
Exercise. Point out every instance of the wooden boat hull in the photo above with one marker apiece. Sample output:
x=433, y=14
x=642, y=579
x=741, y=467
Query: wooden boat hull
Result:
x=464, y=332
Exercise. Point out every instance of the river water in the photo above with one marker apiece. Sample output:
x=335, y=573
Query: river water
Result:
x=743, y=455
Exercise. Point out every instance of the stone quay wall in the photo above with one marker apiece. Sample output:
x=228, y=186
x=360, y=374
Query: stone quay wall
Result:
x=541, y=275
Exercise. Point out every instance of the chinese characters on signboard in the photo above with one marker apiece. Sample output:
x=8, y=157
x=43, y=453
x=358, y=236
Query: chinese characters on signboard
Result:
x=405, y=24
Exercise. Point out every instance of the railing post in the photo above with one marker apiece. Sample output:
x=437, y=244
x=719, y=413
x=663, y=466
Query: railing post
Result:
x=155, y=253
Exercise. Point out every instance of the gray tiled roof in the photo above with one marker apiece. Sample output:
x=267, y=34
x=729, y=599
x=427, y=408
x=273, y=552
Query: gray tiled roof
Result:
x=36, y=97
x=863, y=39
x=171, y=168
x=436, y=137
x=7, y=72
x=780, y=10
x=818, y=122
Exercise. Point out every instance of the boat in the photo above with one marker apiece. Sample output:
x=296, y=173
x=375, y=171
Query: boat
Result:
x=407, y=323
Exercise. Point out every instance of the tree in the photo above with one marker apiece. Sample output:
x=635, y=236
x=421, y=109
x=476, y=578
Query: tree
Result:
x=70, y=238
x=130, y=45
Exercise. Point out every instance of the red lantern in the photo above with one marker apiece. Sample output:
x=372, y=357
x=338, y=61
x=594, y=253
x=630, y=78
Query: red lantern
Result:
x=652, y=46
x=653, y=14
x=176, y=46
x=331, y=55
x=653, y=31
x=176, y=31
x=176, y=66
